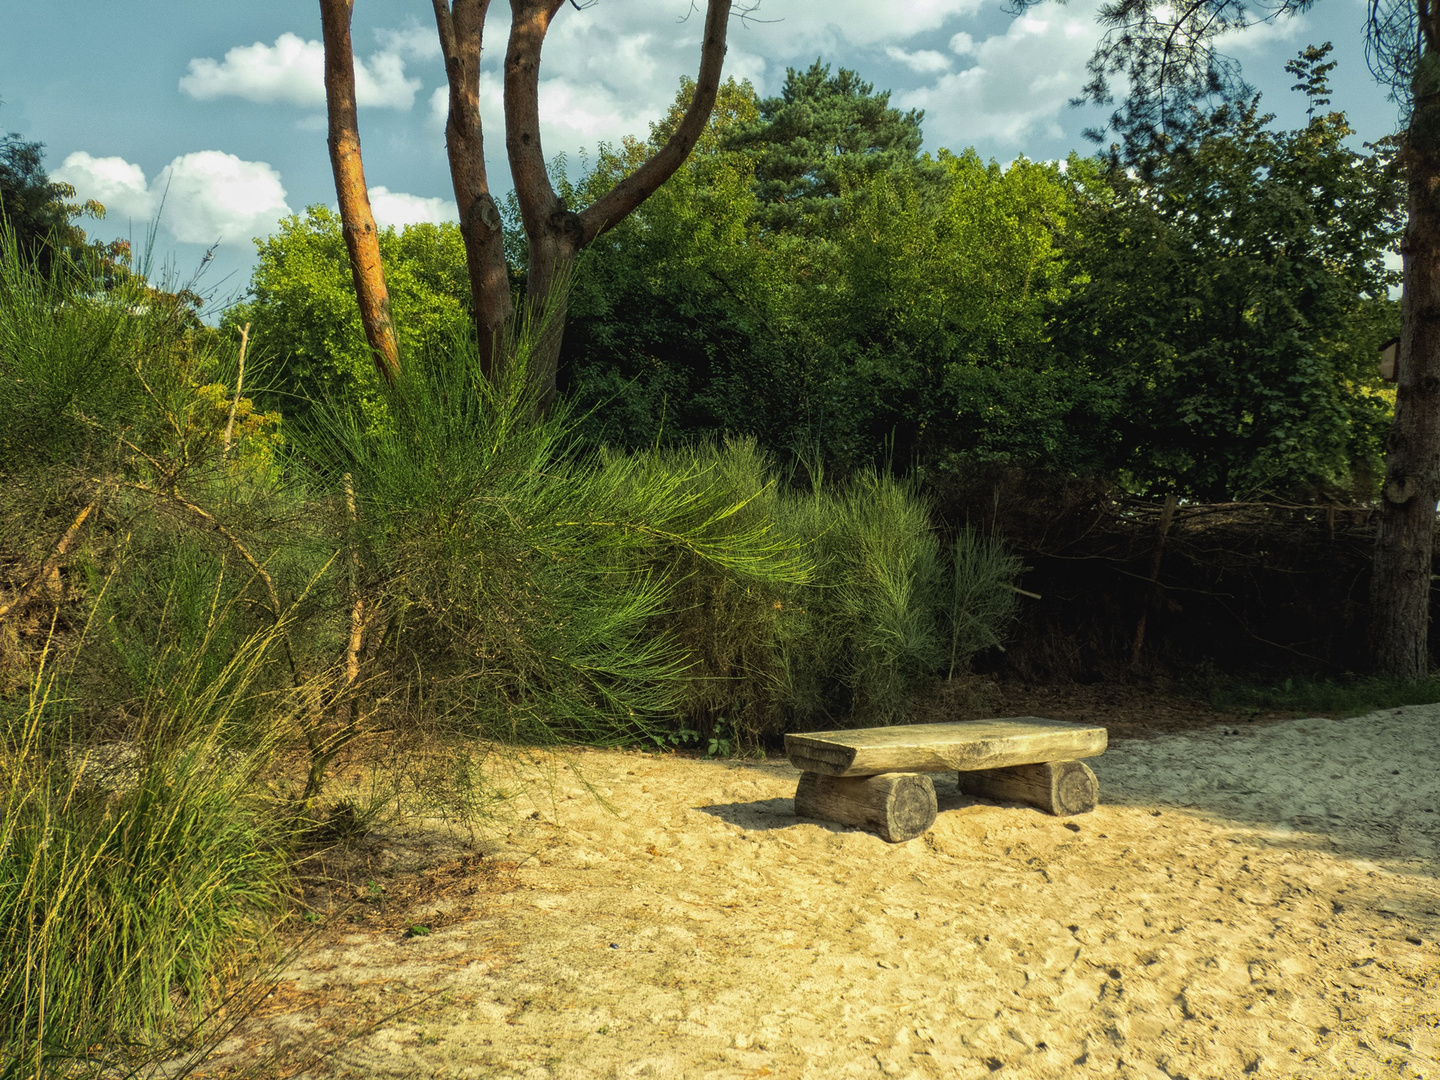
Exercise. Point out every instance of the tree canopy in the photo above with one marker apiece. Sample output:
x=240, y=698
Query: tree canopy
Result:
x=1198, y=319
x=1235, y=290
x=823, y=130
x=42, y=212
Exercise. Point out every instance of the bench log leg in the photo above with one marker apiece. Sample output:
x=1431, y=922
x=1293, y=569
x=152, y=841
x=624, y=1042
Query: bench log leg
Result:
x=898, y=806
x=1061, y=787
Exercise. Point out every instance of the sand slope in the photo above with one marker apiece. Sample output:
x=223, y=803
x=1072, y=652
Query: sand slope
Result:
x=1263, y=903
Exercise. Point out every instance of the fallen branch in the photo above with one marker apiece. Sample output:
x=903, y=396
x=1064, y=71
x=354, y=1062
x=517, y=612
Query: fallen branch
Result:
x=239, y=382
x=51, y=565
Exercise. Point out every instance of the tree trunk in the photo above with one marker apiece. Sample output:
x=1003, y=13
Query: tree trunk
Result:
x=1400, y=591
x=461, y=30
x=556, y=234
x=361, y=239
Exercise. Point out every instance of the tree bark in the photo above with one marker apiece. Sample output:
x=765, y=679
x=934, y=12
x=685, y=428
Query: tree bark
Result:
x=1400, y=590
x=362, y=241
x=898, y=806
x=461, y=26
x=555, y=232
x=1061, y=788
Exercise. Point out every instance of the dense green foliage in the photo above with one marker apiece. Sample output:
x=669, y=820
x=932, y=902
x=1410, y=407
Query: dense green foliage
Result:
x=1199, y=319
x=1196, y=317
x=821, y=132
x=40, y=213
x=1233, y=295
x=133, y=870
x=305, y=324
x=540, y=591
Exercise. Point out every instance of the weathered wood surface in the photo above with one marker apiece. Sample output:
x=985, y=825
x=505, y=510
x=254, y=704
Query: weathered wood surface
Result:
x=898, y=806
x=964, y=746
x=1061, y=787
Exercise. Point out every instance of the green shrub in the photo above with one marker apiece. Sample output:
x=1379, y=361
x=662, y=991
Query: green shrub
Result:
x=882, y=617
x=526, y=588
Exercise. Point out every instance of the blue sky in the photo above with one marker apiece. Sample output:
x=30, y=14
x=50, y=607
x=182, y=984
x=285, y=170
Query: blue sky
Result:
x=220, y=106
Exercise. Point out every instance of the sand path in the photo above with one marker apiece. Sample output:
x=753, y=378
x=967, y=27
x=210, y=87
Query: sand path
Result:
x=1262, y=904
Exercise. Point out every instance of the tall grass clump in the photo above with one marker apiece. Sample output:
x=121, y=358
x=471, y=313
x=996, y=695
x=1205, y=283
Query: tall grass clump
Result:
x=886, y=613
x=113, y=405
x=150, y=582
x=982, y=598
x=135, y=876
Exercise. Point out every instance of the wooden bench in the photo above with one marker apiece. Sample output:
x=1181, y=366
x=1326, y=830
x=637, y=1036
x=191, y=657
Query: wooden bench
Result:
x=875, y=777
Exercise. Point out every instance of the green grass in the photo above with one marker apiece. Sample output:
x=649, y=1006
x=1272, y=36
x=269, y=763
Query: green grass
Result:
x=134, y=877
x=1345, y=696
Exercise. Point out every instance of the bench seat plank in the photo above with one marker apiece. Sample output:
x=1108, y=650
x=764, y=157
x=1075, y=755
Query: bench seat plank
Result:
x=964, y=747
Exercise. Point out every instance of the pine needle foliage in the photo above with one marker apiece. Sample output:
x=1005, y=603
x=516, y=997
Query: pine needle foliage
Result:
x=529, y=588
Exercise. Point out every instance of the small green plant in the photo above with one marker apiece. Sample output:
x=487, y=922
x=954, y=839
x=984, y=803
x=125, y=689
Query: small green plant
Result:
x=721, y=741
x=418, y=930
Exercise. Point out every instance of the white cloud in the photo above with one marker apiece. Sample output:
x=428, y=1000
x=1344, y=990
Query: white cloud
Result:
x=413, y=43
x=575, y=114
x=1266, y=34
x=962, y=44
x=808, y=25
x=398, y=209
x=1018, y=85
x=440, y=107
x=202, y=197
x=292, y=71
x=211, y=195
x=112, y=181
x=925, y=61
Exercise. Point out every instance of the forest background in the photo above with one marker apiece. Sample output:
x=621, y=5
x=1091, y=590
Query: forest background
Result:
x=833, y=412
x=1205, y=322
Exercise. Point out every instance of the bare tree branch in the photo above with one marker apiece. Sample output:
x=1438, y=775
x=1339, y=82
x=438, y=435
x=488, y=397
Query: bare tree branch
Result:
x=624, y=197
x=50, y=566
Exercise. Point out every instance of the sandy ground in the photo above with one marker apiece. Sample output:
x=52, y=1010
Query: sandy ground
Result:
x=1246, y=902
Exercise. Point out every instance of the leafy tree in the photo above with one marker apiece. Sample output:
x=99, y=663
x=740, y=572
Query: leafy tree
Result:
x=40, y=211
x=303, y=317
x=1232, y=290
x=677, y=313
x=908, y=318
x=821, y=128
x=936, y=315
x=1168, y=58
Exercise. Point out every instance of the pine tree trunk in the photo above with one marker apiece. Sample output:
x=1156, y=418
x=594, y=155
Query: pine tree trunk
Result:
x=461, y=27
x=361, y=239
x=556, y=233
x=1400, y=593
x=552, y=256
